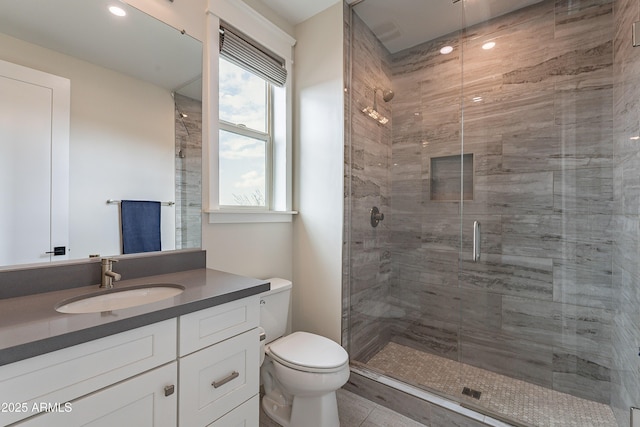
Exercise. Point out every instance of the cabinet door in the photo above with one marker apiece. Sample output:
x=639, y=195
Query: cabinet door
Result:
x=143, y=401
x=216, y=379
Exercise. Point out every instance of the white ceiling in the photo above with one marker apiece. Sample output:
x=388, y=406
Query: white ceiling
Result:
x=297, y=11
x=400, y=24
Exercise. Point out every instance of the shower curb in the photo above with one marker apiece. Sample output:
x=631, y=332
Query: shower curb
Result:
x=424, y=407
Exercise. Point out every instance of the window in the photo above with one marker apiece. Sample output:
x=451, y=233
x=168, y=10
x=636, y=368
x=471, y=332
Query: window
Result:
x=244, y=138
x=249, y=167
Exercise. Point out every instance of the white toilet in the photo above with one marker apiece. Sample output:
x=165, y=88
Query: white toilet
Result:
x=301, y=371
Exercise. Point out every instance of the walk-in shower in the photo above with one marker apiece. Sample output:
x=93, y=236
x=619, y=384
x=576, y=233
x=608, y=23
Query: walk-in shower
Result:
x=504, y=276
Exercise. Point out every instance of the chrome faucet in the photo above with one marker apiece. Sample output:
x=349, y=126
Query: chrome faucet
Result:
x=108, y=276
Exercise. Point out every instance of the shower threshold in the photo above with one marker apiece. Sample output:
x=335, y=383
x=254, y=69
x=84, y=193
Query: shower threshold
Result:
x=498, y=400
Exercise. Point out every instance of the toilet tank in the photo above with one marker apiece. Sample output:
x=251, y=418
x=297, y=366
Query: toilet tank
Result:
x=274, y=309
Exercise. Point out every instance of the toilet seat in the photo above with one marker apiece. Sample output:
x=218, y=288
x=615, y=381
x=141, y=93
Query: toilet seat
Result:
x=308, y=352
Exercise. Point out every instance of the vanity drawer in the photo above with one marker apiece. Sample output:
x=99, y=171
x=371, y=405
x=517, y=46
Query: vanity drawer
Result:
x=247, y=415
x=67, y=374
x=212, y=325
x=218, y=378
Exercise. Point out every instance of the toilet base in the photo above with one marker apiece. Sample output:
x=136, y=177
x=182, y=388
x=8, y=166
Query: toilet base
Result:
x=276, y=411
x=324, y=408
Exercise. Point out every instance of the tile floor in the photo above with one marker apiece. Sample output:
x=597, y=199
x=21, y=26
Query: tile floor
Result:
x=356, y=411
x=517, y=400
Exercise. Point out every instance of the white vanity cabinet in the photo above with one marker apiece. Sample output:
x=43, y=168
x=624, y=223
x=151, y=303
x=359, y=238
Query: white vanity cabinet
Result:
x=200, y=369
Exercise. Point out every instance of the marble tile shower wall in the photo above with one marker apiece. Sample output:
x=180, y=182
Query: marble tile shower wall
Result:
x=368, y=185
x=626, y=268
x=539, y=305
x=188, y=172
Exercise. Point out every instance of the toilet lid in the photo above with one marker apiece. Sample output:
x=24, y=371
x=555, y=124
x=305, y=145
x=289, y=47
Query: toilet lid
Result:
x=303, y=349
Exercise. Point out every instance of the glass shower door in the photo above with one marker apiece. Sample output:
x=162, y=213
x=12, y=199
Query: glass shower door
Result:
x=536, y=211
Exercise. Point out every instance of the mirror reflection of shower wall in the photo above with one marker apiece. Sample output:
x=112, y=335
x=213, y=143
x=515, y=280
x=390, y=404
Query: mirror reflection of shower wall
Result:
x=188, y=172
x=534, y=109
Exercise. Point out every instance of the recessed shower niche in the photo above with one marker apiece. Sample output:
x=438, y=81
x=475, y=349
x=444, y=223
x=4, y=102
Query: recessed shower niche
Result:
x=445, y=178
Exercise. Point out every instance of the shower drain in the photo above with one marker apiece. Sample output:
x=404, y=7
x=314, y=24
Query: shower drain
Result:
x=470, y=392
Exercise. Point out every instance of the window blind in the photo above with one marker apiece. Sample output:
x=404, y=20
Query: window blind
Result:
x=246, y=53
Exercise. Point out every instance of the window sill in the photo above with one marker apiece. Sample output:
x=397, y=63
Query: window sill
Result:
x=248, y=216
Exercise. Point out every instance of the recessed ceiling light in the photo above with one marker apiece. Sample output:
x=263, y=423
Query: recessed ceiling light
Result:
x=446, y=50
x=118, y=11
x=488, y=45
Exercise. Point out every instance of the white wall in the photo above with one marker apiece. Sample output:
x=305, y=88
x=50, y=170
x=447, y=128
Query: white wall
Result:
x=121, y=146
x=318, y=174
x=255, y=250
x=272, y=16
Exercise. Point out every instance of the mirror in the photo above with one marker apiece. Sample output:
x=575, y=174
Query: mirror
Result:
x=134, y=118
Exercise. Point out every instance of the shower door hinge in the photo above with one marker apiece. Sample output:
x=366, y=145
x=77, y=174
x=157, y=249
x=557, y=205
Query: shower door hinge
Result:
x=635, y=36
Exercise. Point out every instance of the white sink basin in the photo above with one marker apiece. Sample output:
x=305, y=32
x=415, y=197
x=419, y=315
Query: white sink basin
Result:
x=116, y=299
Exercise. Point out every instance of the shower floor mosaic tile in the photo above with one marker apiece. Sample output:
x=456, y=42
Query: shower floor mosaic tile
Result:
x=501, y=396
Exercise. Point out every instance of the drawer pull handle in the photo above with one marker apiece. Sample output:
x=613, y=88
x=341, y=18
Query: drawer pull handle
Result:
x=223, y=381
x=168, y=390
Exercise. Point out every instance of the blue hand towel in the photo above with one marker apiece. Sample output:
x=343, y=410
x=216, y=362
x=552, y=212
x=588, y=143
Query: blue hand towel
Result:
x=140, y=226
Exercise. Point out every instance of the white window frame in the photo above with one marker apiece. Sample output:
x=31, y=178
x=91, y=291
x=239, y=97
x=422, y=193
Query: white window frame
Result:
x=239, y=15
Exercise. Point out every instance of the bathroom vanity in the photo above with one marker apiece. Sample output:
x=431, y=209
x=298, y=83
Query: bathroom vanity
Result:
x=190, y=360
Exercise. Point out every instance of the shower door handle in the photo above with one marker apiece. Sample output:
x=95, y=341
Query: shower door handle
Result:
x=476, y=241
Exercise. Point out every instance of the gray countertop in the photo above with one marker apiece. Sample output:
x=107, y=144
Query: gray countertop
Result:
x=30, y=325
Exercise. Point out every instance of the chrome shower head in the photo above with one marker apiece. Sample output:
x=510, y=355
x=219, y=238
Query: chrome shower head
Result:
x=387, y=95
